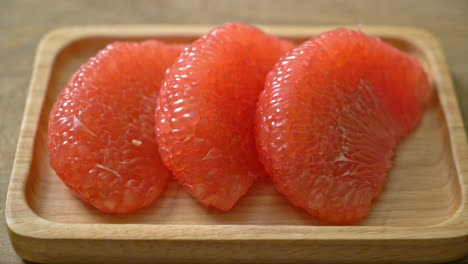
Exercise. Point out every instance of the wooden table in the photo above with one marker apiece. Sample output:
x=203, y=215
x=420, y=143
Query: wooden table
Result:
x=23, y=23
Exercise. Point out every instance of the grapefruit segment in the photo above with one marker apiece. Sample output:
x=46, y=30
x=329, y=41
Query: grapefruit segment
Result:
x=205, y=112
x=330, y=117
x=101, y=129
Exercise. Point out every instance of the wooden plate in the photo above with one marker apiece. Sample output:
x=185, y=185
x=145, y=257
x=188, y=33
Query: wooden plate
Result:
x=421, y=216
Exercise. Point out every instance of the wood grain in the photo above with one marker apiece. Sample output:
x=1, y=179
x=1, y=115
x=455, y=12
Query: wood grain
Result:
x=424, y=207
x=24, y=22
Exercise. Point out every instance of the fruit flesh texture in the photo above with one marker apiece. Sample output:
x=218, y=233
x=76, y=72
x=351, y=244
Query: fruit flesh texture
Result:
x=330, y=117
x=205, y=112
x=101, y=137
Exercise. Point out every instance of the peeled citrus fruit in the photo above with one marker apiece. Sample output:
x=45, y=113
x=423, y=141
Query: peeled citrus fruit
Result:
x=101, y=129
x=330, y=117
x=205, y=112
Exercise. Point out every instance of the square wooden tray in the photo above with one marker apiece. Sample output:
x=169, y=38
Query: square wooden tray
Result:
x=422, y=214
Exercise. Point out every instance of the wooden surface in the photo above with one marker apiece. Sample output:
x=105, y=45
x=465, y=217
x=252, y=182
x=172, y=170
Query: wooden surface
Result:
x=22, y=23
x=423, y=207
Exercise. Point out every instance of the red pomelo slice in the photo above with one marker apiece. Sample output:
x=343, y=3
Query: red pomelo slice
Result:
x=330, y=117
x=101, y=129
x=205, y=112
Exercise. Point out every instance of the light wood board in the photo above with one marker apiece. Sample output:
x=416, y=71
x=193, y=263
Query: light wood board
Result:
x=421, y=215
